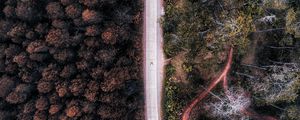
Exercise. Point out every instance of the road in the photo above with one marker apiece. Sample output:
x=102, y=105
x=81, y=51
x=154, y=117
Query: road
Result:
x=153, y=60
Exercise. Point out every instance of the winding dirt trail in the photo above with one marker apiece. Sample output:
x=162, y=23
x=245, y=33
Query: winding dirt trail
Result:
x=187, y=111
x=222, y=77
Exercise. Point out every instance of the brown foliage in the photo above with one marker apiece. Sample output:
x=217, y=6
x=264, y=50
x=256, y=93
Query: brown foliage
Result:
x=91, y=16
x=63, y=59
x=73, y=10
x=6, y=85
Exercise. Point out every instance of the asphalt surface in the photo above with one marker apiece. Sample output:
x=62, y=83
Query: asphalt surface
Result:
x=153, y=59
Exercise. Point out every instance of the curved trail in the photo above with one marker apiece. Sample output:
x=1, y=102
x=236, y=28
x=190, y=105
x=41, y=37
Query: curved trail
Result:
x=187, y=111
x=153, y=59
x=222, y=77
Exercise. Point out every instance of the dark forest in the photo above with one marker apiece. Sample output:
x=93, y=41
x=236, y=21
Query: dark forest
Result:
x=71, y=59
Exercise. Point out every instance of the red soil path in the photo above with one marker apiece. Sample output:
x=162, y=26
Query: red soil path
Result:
x=223, y=76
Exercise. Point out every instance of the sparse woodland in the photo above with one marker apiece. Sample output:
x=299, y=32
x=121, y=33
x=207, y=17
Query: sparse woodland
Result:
x=263, y=81
x=71, y=60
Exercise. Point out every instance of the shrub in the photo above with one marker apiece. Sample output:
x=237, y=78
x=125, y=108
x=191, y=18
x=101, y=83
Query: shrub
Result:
x=236, y=31
x=291, y=113
x=230, y=107
x=27, y=11
x=279, y=4
x=44, y=87
x=109, y=36
x=172, y=104
x=73, y=111
x=65, y=55
x=9, y=11
x=54, y=109
x=68, y=71
x=92, y=30
x=106, y=56
x=6, y=84
x=60, y=24
x=42, y=103
x=91, y=16
x=291, y=19
x=20, y=94
x=73, y=10
x=55, y=10
x=57, y=37
x=77, y=87
x=282, y=84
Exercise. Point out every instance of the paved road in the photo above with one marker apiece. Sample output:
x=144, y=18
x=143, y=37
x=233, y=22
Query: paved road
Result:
x=153, y=59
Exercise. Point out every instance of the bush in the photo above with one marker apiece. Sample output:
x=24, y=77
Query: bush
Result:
x=7, y=84
x=172, y=105
x=232, y=107
x=291, y=19
x=73, y=10
x=91, y=16
x=291, y=113
x=27, y=11
x=55, y=10
x=279, y=4
x=282, y=84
